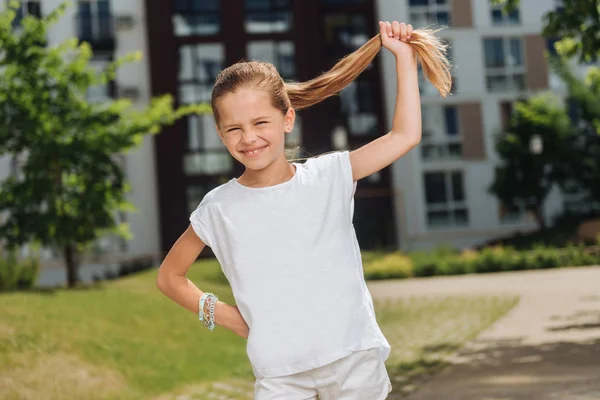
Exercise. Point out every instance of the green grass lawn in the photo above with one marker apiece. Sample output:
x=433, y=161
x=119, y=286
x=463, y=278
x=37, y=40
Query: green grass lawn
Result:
x=125, y=340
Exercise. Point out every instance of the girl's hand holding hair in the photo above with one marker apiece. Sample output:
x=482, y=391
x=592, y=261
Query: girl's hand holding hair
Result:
x=394, y=37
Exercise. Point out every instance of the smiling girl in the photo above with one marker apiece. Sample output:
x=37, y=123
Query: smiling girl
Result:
x=283, y=231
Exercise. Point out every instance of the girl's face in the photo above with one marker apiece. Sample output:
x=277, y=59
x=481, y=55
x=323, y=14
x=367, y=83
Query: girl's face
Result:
x=252, y=129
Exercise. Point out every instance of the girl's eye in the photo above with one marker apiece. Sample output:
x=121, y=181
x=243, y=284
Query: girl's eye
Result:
x=261, y=122
x=232, y=129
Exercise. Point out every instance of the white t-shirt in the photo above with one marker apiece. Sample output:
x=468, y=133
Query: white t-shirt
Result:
x=292, y=259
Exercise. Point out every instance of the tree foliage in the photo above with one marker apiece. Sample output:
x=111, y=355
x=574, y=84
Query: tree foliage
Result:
x=576, y=22
x=525, y=177
x=70, y=185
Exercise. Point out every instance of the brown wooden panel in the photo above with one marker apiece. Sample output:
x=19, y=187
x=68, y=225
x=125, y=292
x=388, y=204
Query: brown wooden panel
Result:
x=537, y=65
x=471, y=125
x=462, y=14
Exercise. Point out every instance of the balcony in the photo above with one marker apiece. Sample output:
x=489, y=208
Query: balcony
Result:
x=97, y=30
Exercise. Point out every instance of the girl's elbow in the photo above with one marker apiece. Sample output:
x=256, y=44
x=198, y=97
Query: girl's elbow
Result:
x=162, y=280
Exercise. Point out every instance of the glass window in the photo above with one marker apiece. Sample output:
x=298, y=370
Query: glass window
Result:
x=94, y=20
x=444, y=193
x=207, y=163
x=196, y=17
x=451, y=120
x=441, y=133
x=429, y=12
x=435, y=188
x=199, y=65
x=280, y=54
x=494, y=53
x=516, y=56
x=501, y=17
x=202, y=133
x=27, y=8
x=344, y=33
x=504, y=63
x=268, y=16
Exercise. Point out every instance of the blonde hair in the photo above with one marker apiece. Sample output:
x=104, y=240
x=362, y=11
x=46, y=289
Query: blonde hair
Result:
x=430, y=50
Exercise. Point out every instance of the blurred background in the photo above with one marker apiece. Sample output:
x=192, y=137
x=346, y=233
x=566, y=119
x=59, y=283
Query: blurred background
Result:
x=506, y=177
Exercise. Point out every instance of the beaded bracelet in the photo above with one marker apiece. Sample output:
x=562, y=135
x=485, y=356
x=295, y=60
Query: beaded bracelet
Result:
x=210, y=323
x=207, y=320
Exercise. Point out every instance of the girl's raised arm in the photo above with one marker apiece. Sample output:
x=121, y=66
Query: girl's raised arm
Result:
x=406, y=125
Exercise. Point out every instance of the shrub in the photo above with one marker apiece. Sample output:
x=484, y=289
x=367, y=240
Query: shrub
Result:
x=544, y=257
x=391, y=266
x=490, y=260
x=451, y=266
x=17, y=274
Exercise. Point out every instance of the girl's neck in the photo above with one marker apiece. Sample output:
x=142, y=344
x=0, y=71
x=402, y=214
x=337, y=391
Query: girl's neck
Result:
x=277, y=172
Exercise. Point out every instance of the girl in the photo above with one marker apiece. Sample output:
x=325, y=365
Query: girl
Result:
x=283, y=232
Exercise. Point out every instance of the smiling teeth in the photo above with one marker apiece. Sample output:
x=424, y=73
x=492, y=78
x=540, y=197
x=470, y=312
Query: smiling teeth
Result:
x=251, y=153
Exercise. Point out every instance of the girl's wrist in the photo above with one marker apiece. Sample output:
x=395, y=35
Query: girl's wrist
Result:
x=222, y=314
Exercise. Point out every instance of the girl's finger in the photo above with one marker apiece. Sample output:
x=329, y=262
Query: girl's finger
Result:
x=409, y=31
x=382, y=30
x=396, y=29
x=403, y=31
x=388, y=28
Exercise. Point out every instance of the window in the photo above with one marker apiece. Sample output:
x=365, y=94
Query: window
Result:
x=99, y=93
x=441, y=138
x=504, y=64
x=27, y=8
x=281, y=54
x=199, y=65
x=344, y=33
x=501, y=17
x=268, y=16
x=196, y=17
x=428, y=12
x=445, y=197
x=94, y=20
x=425, y=87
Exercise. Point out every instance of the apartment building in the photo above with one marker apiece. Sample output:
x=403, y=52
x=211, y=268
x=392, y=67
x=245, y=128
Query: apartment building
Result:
x=435, y=194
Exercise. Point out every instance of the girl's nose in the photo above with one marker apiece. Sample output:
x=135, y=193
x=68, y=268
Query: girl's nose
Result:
x=249, y=136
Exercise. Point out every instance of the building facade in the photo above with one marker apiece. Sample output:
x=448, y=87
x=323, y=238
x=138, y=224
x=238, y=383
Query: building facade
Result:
x=435, y=194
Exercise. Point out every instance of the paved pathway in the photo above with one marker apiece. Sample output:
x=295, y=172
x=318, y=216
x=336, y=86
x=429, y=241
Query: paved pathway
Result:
x=546, y=348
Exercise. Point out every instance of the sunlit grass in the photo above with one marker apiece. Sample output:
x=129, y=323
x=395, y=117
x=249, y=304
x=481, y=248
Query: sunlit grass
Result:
x=125, y=340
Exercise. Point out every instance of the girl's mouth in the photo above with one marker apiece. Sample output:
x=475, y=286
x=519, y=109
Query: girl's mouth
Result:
x=254, y=153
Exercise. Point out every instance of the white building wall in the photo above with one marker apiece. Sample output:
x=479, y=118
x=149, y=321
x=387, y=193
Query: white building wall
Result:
x=139, y=163
x=483, y=208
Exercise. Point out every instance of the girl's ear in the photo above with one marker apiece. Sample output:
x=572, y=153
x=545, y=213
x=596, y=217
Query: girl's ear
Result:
x=290, y=118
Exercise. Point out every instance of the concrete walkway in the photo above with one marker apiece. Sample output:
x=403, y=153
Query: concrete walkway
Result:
x=546, y=348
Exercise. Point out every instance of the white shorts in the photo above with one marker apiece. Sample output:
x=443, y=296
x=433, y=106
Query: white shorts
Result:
x=360, y=376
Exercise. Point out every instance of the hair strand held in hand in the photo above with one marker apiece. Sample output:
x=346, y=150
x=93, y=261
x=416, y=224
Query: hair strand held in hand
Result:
x=430, y=50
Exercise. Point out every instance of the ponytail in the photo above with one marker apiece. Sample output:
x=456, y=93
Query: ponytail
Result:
x=431, y=52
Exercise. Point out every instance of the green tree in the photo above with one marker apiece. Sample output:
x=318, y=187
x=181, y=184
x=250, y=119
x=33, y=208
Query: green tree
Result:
x=70, y=185
x=584, y=167
x=526, y=176
x=577, y=23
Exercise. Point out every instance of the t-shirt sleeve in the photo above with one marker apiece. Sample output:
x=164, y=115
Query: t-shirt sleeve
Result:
x=338, y=167
x=200, y=221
